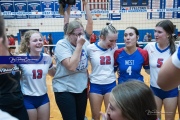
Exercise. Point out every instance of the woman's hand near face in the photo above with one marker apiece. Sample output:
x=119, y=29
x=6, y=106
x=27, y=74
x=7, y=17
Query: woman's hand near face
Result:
x=80, y=40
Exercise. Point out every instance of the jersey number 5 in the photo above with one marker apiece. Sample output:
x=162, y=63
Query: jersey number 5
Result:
x=105, y=60
x=37, y=74
x=159, y=62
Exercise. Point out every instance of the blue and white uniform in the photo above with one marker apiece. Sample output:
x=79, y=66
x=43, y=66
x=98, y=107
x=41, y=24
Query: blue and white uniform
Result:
x=102, y=62
x=33, y=80
x=102, y=77
x=129, y=66
x=156, y=59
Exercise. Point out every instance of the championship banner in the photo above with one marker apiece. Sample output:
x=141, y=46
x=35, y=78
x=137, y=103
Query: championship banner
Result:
x=56, y=10
x=47, y=8
x=75, y=9
x=21, y=10
x=100, y=9
x=7, y=8
x=34, y=9
x=134, y=2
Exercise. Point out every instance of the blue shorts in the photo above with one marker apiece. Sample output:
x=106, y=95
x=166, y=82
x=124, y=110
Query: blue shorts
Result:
x=164, y=94
x=101, y=89
x=33, y=102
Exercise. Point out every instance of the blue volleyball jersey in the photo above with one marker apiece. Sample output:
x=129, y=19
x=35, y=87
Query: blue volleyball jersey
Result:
x=129, y=66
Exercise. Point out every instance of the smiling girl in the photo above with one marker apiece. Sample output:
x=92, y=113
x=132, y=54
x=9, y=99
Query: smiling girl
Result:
x=33, y=80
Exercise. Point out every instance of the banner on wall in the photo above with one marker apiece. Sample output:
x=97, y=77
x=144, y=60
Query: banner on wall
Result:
x=34, y=8
x=100, y=9
x=21, y=10
x=47, y=9
x=167, y=9
x=7, y=8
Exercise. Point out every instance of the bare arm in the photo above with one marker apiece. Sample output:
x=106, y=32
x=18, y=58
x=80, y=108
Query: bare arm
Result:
x=89, y=25
x=67, y=15
x=72, y=62
x=52, y=71
x=169, y=76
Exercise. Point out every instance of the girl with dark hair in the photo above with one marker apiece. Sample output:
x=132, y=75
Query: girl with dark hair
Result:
x=159, y=52
x=50, y=40
x=130, y=59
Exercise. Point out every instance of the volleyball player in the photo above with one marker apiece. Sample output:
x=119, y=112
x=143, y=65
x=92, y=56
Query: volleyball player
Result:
x=33, y=80
x=130, y=59
x=159, y=52
x=102, y=77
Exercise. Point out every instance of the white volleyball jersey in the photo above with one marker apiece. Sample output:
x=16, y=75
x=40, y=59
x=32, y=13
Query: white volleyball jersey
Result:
x=102, y=64
x=176, y=58
x=156, y=59
x=33, y=80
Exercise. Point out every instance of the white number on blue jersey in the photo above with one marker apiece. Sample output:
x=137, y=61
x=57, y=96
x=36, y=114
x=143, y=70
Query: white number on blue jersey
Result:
x=129, y=70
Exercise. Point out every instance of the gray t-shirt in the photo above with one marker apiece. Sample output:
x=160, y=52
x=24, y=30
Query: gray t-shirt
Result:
x=65, y=80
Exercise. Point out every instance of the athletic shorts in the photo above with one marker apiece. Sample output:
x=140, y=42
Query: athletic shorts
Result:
x=101, y=89
x=164, y=94
x=33, y=102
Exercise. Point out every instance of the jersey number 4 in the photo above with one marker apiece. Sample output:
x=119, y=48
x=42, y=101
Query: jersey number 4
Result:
x=129, y=70
x=105, y=60
x=37, y=74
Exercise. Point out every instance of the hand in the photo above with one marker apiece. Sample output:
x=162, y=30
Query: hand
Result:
x=105, y=116
x=81, y=40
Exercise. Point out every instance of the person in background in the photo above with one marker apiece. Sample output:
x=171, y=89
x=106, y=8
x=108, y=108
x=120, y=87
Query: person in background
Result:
x=46, y=42
x=146, y=37
x=33, y=80
x=93, y=38
x=102, y=77
x=12, y=44
x=159, y=52
x=70, y=80
x=50, y=40
x=149, y=37
x=132, y=100
x=130, y=59
x=11, y=97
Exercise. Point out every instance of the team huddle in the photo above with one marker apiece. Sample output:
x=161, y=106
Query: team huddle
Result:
x=23, y=89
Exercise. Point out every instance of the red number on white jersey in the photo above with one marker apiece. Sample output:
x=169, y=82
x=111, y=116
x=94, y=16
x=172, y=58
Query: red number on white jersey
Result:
x=105, y=60
x=37, y=74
